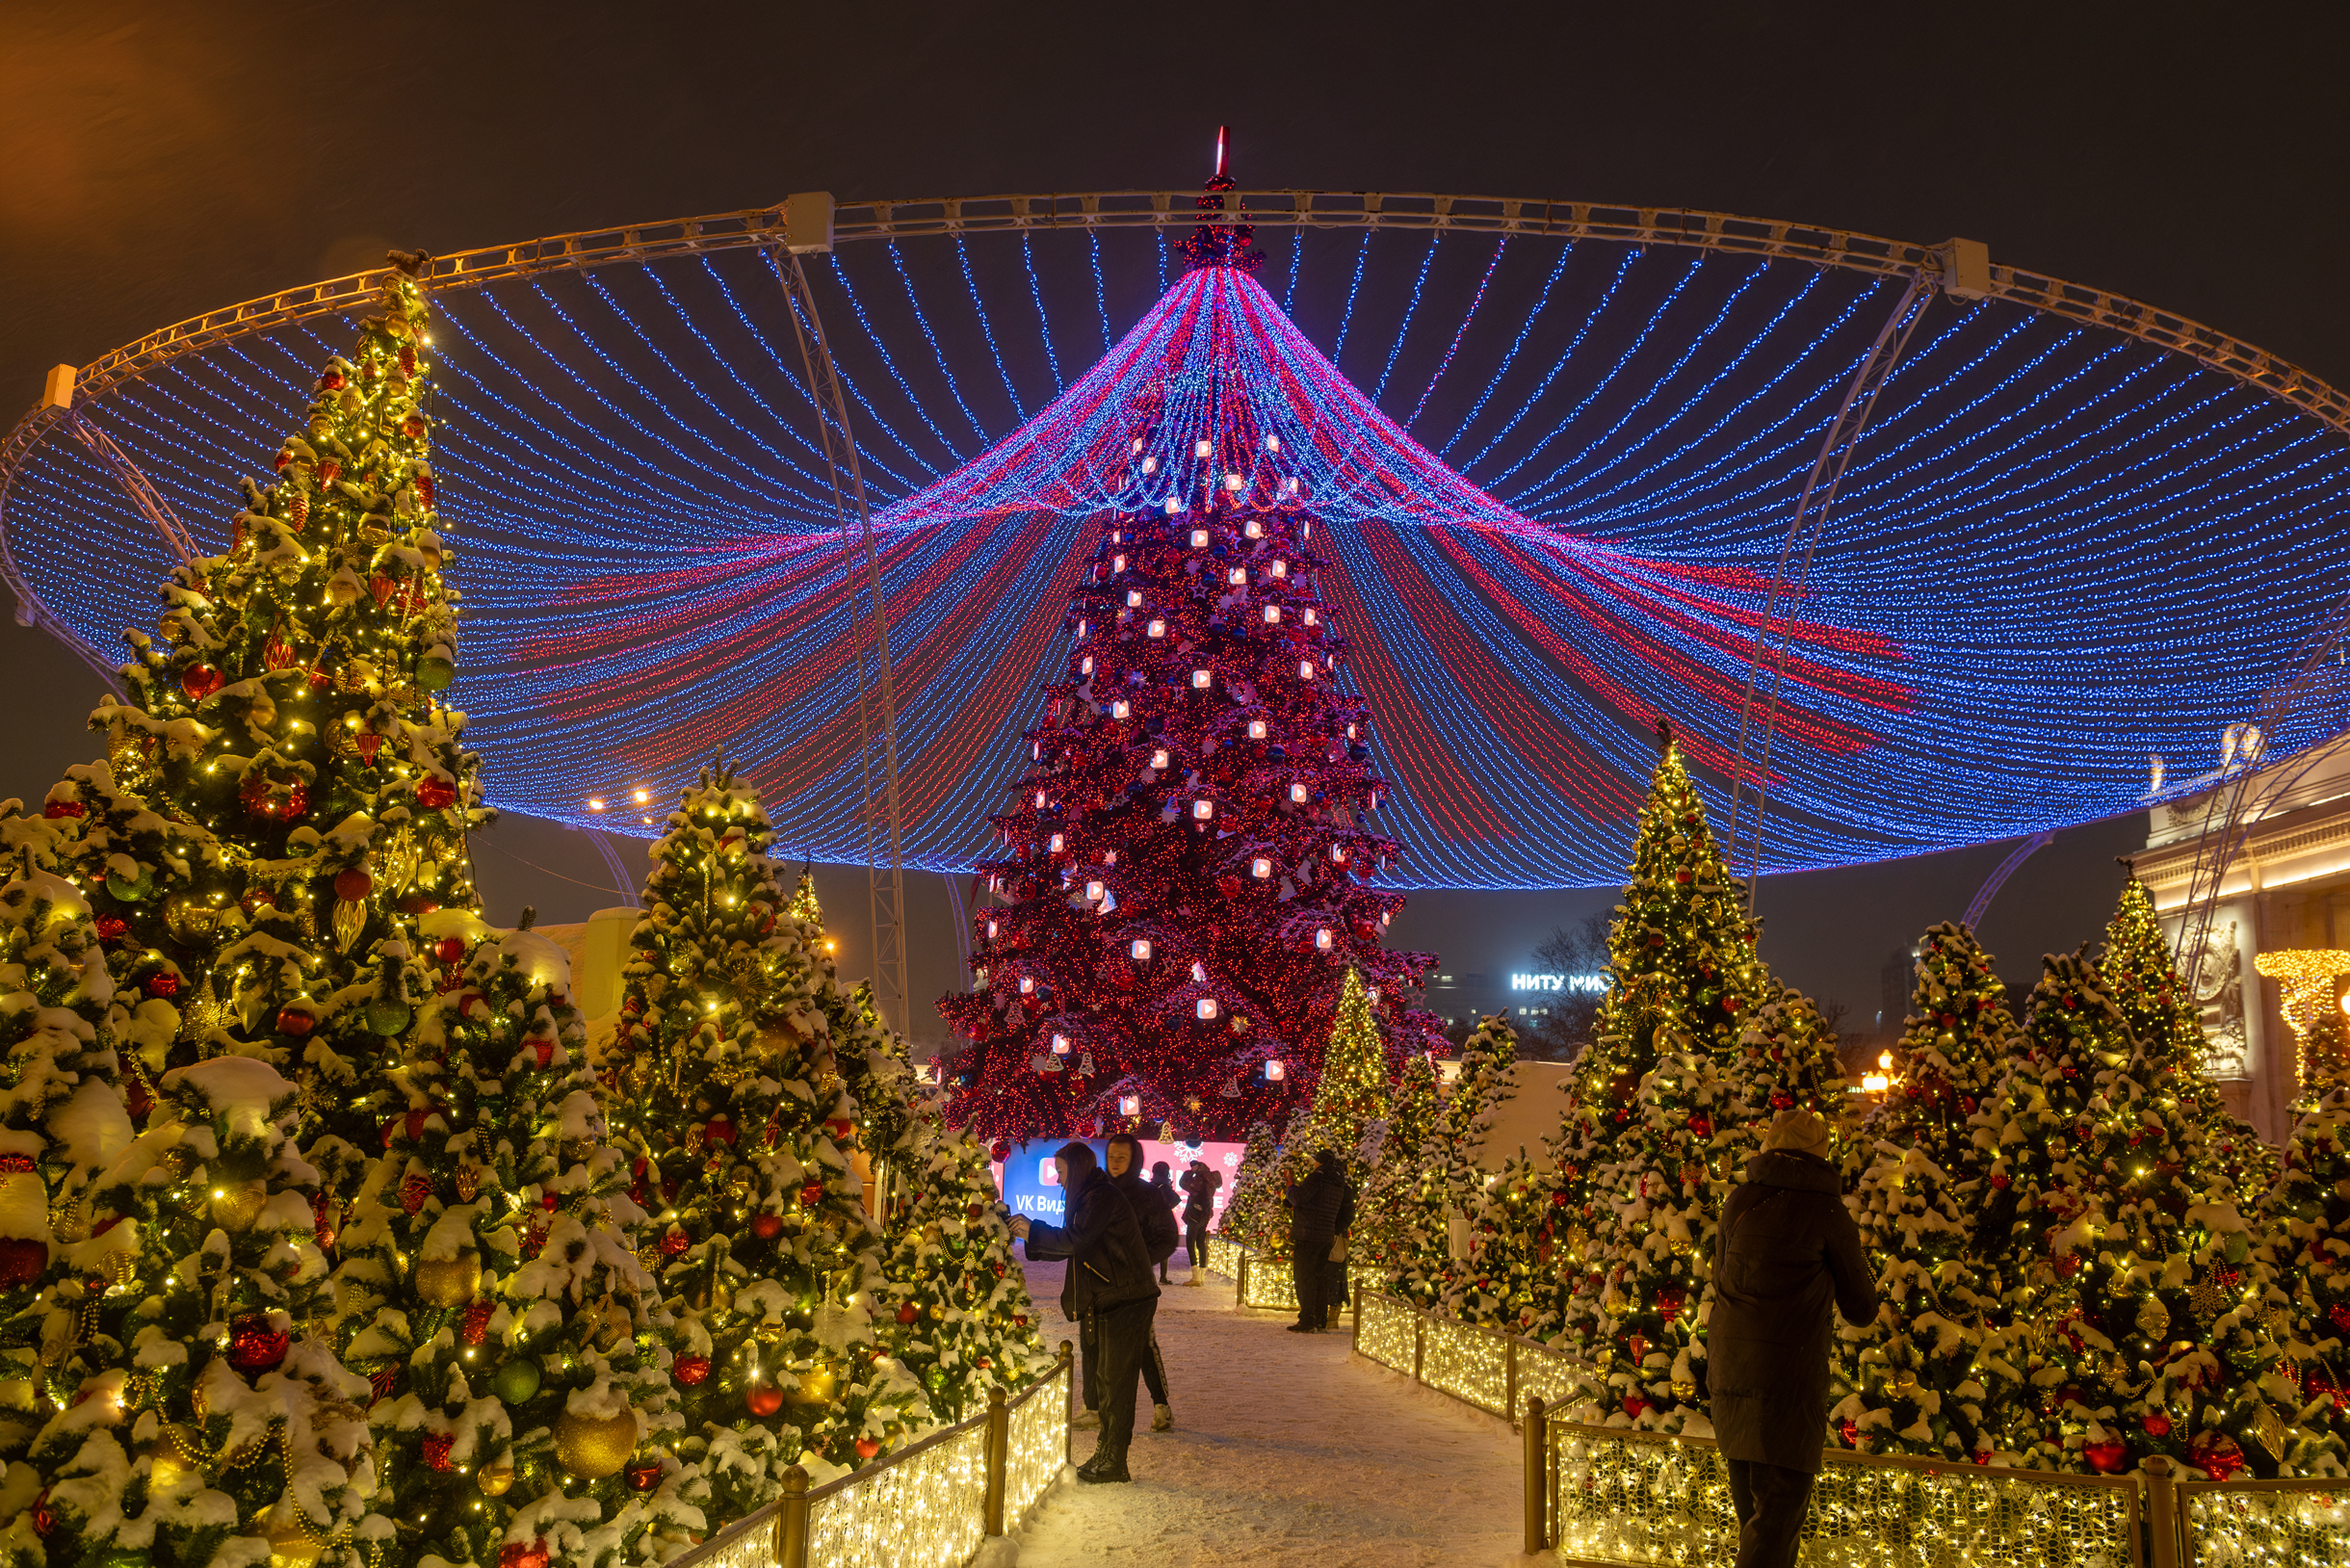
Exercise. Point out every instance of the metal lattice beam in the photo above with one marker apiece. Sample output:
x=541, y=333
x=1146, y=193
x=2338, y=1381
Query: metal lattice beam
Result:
x=1766, y=665
x=1726, y=232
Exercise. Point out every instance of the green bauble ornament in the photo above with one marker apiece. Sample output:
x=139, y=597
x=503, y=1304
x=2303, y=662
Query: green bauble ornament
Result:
x=516, y=1381
x=130, y=890
x=387, y=1017
x=435, y=674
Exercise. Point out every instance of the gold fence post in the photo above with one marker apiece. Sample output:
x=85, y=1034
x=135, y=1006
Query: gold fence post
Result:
x=1240, y=1281
x=1068, y=1393
x=2162, y=1519
x=1420, y=1343
x=1510, y=1374
x=792, y=1521
x=999, y=1434
x=1538, y=1484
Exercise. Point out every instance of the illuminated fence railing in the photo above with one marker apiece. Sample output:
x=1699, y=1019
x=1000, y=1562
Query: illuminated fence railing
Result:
x=2303, y=1523
x=1604, y=1495
x=930, y=1506
x=1482, y=1366
x=1261, y=1280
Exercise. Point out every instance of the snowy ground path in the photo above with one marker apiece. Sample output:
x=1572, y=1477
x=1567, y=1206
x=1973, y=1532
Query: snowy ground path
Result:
x=1287, y=1449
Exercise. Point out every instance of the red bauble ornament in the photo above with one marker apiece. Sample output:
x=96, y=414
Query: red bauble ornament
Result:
x=675, y=1242
x=295, y=1022
x=720, y=1130
x=690, y=1370
x=56, y=809
x=2216, y=1454
x=450, y=950
x=763, y=1399
x=436, y=1449
x=1634, y=1404
x=1848, y=1433
x=2107, y=1457
x=352, y=886
x=111, y=928
x=766, y=1226
x=1780, y=1100
x=518, y=1555
x=434, y=792
x=163, y=984
x=907, y=1312
x=812, y=1194
x=2156, y=1423
x=2000, y=1180
x=475, y=1327
x=44, y=1517
x=867, y=1448
x=254, y=1346
x=414, y=1193
x=22, y=1258
x=200, y=681
x=840, y=1128
x=2339, y=1314
x=643, y=1477
x=1702, y=1125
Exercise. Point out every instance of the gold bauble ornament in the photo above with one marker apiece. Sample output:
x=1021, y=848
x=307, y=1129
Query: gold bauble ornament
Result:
x=495, y=1478
x=293, y=1544
x=238, y=1204
x=817, y=1385
x=595, y=1447
x=450, y=1282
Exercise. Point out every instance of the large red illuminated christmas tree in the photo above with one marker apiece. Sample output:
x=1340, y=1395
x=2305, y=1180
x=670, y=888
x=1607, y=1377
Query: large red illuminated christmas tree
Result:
x=1185, y=881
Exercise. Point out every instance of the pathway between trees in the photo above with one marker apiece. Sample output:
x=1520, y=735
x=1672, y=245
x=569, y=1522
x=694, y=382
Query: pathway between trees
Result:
x=1287, y=1449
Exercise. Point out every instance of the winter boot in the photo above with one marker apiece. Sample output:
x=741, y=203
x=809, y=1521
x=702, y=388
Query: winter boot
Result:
x=1085, y=1421
x=1105, y=1467
x=1162, y=1420
x=1332, y=1321
x=1099, y=1457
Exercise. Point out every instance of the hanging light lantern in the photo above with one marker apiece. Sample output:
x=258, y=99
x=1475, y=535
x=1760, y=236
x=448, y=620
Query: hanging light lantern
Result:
x=1272, y=614
x=1028, y=985
x=1156, y=627
x=1256, y=729
x=1094, y=892
x=1273, y=443
x=1174, y=505
x=1204, y=1009
x=1261, y=868
x=1300, y=794
x=1312, y=619
x=1202, y=810
x=1338, y=854
x=991, y=931
x=1141, y=950
x=1235, y=484
x=1121, y=709
x=1060, y=1045
x=1201, y=680
x=1199, y=539
x=1133, y=598
x=1238, y=577
x=1057, y=844
x=1158, y=759
x=1275, y=1070
x=1305, y=669
x=1202, y=448
x=1117, y=563
x=1129, y=1105
x=1324, y=939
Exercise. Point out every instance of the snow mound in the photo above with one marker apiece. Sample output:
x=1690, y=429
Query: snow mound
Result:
x=236, y=1087
x=540, y=959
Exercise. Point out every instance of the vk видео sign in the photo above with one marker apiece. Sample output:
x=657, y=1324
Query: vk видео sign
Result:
x=1024, y=1178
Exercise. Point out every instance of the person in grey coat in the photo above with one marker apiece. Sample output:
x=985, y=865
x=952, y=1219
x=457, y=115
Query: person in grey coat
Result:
x=1788, y=1252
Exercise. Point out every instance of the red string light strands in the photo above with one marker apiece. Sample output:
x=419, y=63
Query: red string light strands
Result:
x=217, y=1422
x=285, y=796
x=741, y=1141
x=1395, y=1192
x=1185, y=876
x=955, y=1307
x=2146, y=989
x=2143, y=1317
x=519, y=1355
x=1911, y=1382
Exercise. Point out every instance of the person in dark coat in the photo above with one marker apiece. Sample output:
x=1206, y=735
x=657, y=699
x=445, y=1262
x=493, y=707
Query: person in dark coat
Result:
x=1163, y=1189
x=1788, y=1250
x=1321, y=1210
x=1199, y=1185
x=1108, y=1286
x=1157, y=1217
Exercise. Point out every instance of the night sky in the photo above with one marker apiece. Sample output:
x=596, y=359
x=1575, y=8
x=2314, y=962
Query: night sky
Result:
x=159, y=160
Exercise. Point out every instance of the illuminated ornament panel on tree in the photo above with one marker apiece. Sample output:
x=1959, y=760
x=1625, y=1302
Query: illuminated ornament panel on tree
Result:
x=1549, y=472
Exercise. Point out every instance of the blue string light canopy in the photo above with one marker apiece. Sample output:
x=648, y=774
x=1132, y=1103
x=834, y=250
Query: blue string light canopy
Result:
x=1550, y=451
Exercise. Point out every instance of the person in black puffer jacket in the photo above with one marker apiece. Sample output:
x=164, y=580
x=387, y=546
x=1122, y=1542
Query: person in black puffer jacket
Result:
x=1199, y=1185
x=1109, y=1292
x=1156, y=1216
x=1787, y=1250
x=1321, y=1210
x=1163, y=1189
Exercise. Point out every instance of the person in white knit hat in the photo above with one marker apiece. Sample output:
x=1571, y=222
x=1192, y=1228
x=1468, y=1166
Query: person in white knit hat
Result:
x=1787, y=1253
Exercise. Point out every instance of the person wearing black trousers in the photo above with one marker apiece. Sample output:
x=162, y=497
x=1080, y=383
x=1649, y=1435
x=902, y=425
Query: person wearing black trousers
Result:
x=1158, y=1221
x=1163, y=1189
x=1321, y=1210
x=1199, y=1185
x=1109, y=1292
